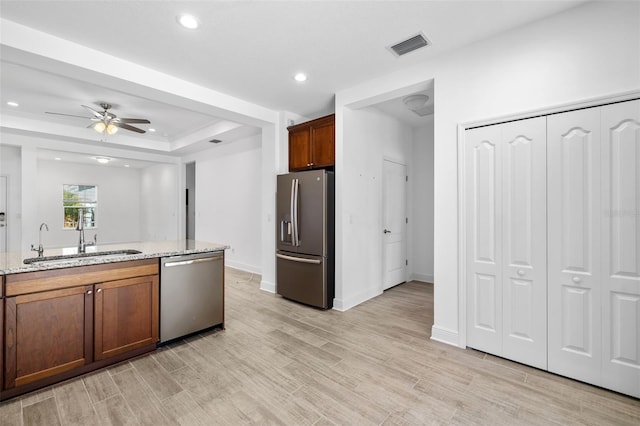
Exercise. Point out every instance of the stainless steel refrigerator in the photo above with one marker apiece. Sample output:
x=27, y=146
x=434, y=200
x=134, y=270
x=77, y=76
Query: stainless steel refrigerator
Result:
x=305, y=237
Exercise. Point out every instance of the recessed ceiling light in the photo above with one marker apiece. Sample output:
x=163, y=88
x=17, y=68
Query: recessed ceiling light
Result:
x=13, y=104
x=300, y=77
x=126, y=165
x=188, y=21
x=102, y=160
x=152, y=130
x=57, y=158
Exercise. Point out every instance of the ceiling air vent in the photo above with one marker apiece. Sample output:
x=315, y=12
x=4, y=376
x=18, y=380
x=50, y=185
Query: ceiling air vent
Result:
x=409, y=45
x=215, y=141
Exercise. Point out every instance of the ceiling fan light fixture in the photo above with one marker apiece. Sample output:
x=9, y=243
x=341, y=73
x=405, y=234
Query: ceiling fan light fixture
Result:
x=111, y=129
x=99, y=127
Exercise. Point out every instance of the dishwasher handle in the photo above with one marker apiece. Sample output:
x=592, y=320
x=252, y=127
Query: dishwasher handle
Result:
x=192, y=261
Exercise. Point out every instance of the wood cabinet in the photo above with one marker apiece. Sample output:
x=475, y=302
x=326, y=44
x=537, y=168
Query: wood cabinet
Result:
x=47, y=333
x=65, y=322
x=312, y=144
x=126, y=315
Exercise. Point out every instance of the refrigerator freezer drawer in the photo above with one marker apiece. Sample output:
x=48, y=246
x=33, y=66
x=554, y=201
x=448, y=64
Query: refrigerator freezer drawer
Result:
x=303, y=278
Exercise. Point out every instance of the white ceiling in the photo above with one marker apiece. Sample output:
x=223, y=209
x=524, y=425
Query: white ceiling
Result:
x=246, y=49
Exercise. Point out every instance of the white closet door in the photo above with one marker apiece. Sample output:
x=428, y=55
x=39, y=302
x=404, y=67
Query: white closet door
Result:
x=621, y=247
x=574, y=216
x=524, y=263
x=483, y=192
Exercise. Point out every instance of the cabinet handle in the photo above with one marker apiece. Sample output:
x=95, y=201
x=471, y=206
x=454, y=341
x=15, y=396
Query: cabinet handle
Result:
x=89, y=292
x=576, y=279
x=99, y=290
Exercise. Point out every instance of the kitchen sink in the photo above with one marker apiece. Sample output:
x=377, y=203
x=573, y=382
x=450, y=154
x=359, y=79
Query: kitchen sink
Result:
x=53, y=260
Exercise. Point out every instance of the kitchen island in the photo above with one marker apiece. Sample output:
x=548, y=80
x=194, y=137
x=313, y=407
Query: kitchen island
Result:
x=68, y=313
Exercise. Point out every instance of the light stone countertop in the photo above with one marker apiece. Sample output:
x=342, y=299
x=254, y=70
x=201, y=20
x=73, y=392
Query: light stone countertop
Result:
x=12, y=262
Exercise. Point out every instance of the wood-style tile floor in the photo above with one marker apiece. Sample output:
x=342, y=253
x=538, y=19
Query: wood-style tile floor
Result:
x=279, y=362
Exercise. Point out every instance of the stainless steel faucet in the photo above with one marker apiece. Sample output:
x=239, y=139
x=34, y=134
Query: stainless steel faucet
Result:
x=40, y=248
x=82, y=244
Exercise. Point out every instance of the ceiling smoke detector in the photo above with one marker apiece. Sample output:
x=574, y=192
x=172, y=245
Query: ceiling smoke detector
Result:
x=409, y=45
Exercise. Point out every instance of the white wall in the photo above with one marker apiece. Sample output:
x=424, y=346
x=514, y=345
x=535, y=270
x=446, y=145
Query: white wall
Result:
x=589, y=51
x=371, y=137
x=10, y=166
x=229, y=200
x=118, y=213
x=159, y=202
x=421, y=215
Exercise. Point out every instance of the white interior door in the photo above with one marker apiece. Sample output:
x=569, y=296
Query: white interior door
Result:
x=3, y=213
x=395, y=223
x=621, y=247
x=524, y=242
x=483, y=153
x=574, y=217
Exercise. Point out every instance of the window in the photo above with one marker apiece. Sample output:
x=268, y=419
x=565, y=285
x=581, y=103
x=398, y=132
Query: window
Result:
x=79, y=200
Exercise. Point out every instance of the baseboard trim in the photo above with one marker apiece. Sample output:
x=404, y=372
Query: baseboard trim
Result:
x=242, y=266
x=267, y=286
x=346, y=304
x=422, y=277
x=444, y=335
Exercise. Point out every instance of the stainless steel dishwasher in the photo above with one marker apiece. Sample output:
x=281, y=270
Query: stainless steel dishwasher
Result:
x=191, y=294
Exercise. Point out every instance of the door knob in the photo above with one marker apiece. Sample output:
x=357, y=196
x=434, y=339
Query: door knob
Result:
x=520, y=272
x=386, y=231
x=576, y=279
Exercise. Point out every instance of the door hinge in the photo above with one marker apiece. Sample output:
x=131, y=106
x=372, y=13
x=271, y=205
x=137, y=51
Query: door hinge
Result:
x=406, y=178
x=406, y=262
x=406, y=220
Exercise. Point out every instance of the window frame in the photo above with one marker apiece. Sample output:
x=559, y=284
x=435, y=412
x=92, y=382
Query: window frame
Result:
x=89, y=203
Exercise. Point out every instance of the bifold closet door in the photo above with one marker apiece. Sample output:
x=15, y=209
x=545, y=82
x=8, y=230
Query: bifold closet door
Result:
x=620, y=155
x=483, y=192
x=506, y=240
x=574, y=217
x=524, y=242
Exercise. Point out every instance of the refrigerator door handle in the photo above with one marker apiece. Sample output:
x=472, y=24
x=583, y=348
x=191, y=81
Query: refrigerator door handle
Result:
x=298, y=259
x=294, y=216
x=292, y=199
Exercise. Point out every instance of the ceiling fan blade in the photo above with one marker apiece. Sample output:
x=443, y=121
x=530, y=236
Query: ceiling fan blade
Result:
x=127, y=127
x=68, y=115
x=94, y=112
x=133, y=120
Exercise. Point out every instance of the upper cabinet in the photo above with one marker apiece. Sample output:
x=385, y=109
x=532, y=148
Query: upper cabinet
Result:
x=312, y=144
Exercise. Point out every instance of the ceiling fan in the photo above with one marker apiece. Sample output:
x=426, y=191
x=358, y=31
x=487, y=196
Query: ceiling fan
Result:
x=105, y=121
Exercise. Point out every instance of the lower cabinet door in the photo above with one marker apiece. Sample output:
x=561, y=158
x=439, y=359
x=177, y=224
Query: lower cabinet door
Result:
x=47, y=333
x=126, y=315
